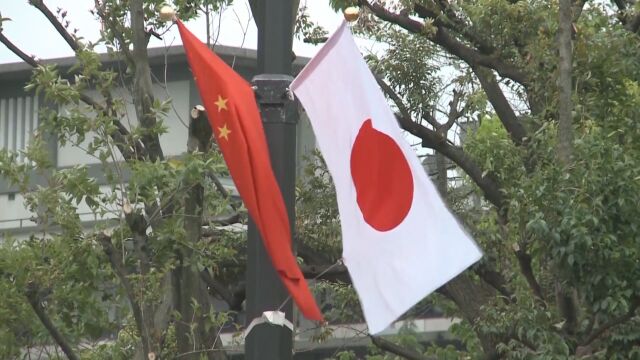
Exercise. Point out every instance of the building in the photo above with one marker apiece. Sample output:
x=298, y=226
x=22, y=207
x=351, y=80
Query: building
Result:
x=19, y=119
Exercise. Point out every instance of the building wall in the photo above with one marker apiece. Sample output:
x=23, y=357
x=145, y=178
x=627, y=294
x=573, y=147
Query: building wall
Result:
x=19, y=119
x=173, y=142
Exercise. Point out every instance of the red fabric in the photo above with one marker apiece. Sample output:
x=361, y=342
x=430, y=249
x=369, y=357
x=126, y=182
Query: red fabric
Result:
x=237, y=126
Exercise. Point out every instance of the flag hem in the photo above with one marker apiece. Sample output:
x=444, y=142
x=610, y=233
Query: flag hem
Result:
x=313, y=63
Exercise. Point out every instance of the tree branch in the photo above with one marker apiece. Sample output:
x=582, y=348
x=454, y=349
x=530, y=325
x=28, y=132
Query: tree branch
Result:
x=443, y=38
x=514, y=336
x=333, y=272
x=200, y=137
x=524, y=260
x=138, y=226
x=628, y=19
x=39, y=4
x=216, y=286
x=32, y=295
x=119, y=136
x=223, y=220
x=118, y=267
x=621, y=4
x=495, y=279
x=14, y=49
x=439, y=143
x=454, y=23
x=633, y=25
x=454, y=114
x=500, y=104
x=578, y=6
x=101, y=10
x=119, y=139
x=390, y=347
x=470, y=297
x=613, y=322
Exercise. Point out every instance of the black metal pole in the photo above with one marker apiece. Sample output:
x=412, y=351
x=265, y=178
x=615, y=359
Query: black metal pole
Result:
x=265, y=291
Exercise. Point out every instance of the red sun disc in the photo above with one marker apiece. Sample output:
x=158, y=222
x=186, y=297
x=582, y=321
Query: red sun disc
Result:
x=382, y=178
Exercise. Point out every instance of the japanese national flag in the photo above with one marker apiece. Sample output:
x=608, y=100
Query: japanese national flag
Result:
x=400, y=242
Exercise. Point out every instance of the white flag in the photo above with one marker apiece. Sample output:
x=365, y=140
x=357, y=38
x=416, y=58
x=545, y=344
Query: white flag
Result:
x=400, y=242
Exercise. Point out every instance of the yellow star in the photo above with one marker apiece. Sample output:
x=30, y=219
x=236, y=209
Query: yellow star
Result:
x=221, y=103
x=224, y=132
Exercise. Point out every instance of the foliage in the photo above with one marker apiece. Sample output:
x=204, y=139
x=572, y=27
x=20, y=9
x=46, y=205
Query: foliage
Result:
x=142, y=209
x=561, y=262
x=559, y=278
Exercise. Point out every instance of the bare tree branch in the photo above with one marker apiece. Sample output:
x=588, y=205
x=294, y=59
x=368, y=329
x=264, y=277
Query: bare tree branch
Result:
x=14, y=49
x=33, y=296
x=39, y=4
x=430, y=119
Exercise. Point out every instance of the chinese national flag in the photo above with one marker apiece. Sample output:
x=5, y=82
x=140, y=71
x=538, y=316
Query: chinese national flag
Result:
x=236, y=124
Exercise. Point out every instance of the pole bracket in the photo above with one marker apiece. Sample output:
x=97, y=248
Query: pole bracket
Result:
x=270, y=317
x=272, y=89
x=275, y=98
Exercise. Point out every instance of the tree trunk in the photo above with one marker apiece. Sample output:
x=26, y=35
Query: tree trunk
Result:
x=566, y=298
x=142, y=91
x=441, y=168
x=193, y=338
x=565, y=106
x=469, y=296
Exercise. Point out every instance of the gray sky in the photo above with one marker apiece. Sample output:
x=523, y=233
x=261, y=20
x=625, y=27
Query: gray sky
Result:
x=32, y=33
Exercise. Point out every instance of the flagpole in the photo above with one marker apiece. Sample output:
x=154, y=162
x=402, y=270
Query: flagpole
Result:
x=265, y=291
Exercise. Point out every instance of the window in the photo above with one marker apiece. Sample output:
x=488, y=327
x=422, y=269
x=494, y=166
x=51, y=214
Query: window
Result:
x=18, y=120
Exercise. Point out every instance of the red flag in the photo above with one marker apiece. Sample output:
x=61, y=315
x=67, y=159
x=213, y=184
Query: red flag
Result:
x=235, y=120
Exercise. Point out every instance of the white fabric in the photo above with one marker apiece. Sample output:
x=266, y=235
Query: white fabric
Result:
x=270, y=317
x=391, y=270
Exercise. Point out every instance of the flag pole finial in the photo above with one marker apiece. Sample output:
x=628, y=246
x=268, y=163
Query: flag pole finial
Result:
x=351, y=14
x=167, y=13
